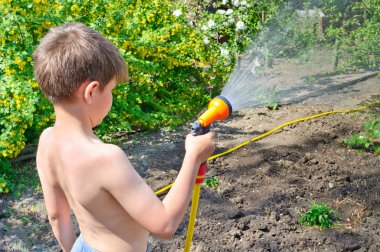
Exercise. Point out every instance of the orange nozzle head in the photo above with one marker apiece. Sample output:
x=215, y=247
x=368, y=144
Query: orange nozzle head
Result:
x=219, y=108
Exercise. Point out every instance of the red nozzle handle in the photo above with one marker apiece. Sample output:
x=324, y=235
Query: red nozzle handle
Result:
x=201, y=173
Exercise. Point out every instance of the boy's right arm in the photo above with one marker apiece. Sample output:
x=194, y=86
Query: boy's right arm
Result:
x=137, y=198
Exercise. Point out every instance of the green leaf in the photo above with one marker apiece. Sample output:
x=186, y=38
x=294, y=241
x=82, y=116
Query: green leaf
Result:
x=368, y=126
x=376, y=133
x=377, y=149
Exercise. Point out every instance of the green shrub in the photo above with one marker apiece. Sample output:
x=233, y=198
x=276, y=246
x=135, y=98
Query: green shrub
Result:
x=319, y=215
x=211, y=182
x=173, y=68
x=5, y=165
x=354, y=28
x=368, y=140
x=17, y=105
x=14, y=177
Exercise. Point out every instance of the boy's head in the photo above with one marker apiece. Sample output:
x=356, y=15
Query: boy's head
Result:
x=71, y=54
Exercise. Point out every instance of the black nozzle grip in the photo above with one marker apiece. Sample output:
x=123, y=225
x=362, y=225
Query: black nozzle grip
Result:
x=197, y=129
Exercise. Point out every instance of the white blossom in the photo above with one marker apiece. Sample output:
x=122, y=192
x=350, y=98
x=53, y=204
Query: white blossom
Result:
x=225, y=23
x=229, y=12
x=243, y=3
x=224, y=52
x=206, y=40
x=236, y=3
x=211, y=23
x=240, y=25
x=221, y=12
x=203, y=27
x=231, y=20
x=224, y=2
x=177, y=13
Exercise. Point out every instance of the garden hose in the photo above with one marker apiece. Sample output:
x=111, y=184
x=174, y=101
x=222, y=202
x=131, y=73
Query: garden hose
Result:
x=194, y=206
x=197, y=186
x=193, y=215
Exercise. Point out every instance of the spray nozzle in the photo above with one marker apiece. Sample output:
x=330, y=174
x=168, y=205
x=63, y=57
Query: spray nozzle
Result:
x=219, y=108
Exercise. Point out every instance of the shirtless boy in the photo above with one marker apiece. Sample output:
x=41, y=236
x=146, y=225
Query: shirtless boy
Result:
x=77, y=68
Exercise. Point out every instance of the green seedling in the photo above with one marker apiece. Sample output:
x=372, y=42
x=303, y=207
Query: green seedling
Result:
x=319, y=215
x=368, y=140
x=310, y=80
x=273, y=106
x=280, y=162
x=211, y=182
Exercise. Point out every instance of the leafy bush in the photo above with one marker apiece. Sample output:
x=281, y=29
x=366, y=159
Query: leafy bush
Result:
x=17, y=104
x=319, y=215
x=5, y=166
x=368, y=140
x=15, y=178
x=230, y=23
x=354, y=28
x=173, y=67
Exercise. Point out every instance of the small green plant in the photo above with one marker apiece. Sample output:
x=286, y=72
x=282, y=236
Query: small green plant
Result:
x=368, y=140
x=319, y=215
x=310, y=80
x=273, y=106
x=211, y=182
x=280, y=162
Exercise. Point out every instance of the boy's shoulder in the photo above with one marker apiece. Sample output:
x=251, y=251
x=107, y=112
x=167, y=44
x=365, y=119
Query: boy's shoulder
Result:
x=95, y=151
x=107, y=150
x=44, y=138
x=46, y=132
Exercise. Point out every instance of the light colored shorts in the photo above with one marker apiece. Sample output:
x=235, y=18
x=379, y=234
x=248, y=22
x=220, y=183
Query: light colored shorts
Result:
x=81, y=246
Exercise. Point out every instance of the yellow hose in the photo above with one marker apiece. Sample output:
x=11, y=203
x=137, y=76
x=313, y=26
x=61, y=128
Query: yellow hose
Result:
x=163, y=189
x=274, y=130
x=193, y=215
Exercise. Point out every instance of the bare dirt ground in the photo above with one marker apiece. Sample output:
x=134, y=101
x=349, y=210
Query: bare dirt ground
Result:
x=263, y=187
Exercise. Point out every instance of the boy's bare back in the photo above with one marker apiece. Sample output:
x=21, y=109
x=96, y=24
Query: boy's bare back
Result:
x=79, y=168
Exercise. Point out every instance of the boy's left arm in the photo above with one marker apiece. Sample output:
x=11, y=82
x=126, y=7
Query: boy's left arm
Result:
x=59, y=213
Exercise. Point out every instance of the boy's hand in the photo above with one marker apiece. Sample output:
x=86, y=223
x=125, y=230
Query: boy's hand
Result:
x=200, y=147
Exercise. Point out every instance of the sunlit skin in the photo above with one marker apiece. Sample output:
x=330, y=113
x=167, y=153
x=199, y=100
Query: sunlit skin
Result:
x=115, y=208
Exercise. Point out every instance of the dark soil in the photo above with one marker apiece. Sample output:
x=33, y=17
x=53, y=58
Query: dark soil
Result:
x=263, y=189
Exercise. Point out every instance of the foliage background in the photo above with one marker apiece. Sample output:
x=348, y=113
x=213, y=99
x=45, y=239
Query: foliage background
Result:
x=173, y=69
x=179, y=53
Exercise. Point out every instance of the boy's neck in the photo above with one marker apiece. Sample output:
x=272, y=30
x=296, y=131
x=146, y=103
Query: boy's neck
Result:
x=72, y=117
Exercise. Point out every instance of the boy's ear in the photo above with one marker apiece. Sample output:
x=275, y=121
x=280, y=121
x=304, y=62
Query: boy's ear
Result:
x=89, y=91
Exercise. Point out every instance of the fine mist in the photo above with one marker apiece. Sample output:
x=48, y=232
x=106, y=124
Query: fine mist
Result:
x=294, y=58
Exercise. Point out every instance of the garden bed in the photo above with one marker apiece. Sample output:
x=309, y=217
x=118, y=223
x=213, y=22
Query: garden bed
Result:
x=263, y=188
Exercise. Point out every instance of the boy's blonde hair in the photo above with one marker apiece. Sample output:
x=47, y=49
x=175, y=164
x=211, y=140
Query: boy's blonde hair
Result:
x=72, y=53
